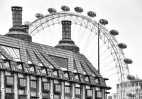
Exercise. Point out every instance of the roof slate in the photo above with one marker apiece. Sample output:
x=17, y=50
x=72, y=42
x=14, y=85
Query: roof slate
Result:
x=48, y=55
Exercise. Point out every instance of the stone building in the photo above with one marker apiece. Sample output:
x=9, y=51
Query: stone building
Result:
x=129, y=90
x=30, y=70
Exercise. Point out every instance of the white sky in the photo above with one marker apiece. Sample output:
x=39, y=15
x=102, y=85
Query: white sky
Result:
x=123, y=15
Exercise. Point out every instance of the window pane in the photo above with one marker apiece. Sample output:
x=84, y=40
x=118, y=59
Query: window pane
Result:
x=67, y=97
x=56, y=97
x=21, y=92
x=57, y=87
x=9, y=96
x=8, y=90
x=46, y=86
x=22, y=97
x=33, y=93
x=6, y=65
x=89, y=92
x=67, y=89
x=22, y=82
x=9, y=80
x=99, y=94
x=77, y=91
x=33, y=84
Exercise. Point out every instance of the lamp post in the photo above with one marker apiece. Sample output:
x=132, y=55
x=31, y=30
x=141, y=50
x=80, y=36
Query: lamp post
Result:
x=101, y=22
x=98, y=47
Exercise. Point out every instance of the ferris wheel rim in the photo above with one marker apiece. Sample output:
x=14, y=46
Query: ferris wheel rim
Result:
x=109, y=37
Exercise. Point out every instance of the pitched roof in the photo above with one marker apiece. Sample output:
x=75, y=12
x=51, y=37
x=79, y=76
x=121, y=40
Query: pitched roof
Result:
x=47, y=56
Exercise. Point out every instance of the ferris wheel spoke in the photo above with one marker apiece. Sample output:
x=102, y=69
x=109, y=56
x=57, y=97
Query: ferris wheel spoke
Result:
x=95, y=50
x=81, y=36
x=75, y=24
x=104, y=58
x=50, y=33
x=107, y=64
x=91, y=45
x=88, y=41
x=92, y=51
x=110, y=75
x=113, y=75
x=103, y=53
x=42, y=36
x=108, y=69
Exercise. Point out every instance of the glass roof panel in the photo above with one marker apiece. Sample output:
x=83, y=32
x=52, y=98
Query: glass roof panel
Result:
x=60, y=61
x=13, y=52
x=29, y=61
x=1, y=56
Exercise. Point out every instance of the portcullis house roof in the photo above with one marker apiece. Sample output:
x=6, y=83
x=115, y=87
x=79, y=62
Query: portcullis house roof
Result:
x=17, y=48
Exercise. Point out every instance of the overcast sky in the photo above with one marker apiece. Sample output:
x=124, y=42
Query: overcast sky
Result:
x=123, y=15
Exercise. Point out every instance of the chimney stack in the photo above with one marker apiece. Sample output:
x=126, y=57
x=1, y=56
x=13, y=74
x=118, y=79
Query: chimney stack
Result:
x=18, y=30
x=26, y=28
x=66, y=42
x=16, y=19
x=66, y=29
x=17, y=16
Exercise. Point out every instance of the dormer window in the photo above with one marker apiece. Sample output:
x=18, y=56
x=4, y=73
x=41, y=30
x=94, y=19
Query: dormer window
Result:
x=43, y=71
x=26, y=67
x=38, y=70
x=32, y=70
x=6, y=64
x=81, y=77
x=71, y=76
x=66, y=76
x=49, y=71
x=19, y=67
x=76, y=77
x=13, y=65
x=1, y=63
x=96, y=80
x=61, y=73
x=55, y=73
x=102, y=81
x=86, y=78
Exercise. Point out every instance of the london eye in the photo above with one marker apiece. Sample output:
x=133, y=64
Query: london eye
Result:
x=95, y=41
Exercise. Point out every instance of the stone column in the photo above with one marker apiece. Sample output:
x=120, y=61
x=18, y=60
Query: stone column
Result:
x=2, y=85
x=15, y=86
x=62, y=92
x=51, y=89
x=93, y=91
x=73, y=91
x=40, y=89
x=28, y=87
x=103, y=93
x=83, y=92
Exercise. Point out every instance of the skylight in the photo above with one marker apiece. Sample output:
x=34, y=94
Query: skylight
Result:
x=13, y=52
